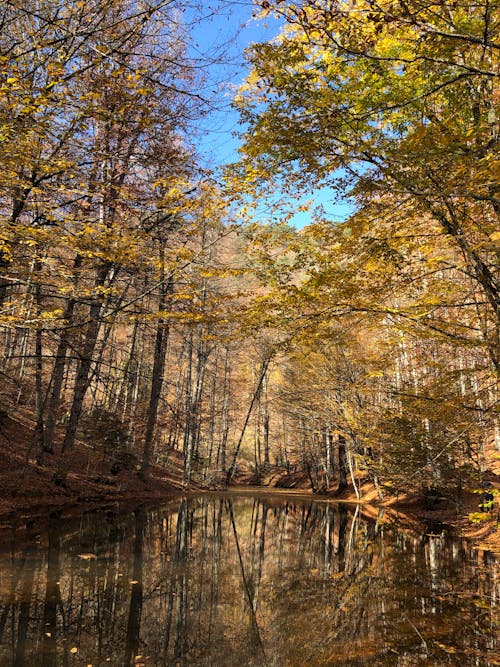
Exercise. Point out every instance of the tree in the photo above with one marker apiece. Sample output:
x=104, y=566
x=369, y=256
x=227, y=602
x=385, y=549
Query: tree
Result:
x=392, y=99
x=103, y=206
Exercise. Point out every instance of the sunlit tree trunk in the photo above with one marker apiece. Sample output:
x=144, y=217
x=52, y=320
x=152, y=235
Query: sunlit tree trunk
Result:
x=265, y=419
x=225, y=421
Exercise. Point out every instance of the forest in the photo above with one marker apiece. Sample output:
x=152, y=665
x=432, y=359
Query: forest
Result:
x=165, y=322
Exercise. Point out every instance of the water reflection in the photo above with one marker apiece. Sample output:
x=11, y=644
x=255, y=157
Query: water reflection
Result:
x=244, y=581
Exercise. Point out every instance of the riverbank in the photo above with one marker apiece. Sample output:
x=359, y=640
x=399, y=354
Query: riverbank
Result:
x=93, y=480
x=464, y=515
x=404, y=512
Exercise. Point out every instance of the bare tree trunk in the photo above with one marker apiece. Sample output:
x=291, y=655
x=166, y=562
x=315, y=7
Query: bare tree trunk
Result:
x=124, y=390
x=39, y=397
x=188, y=400
x=82, y=380
x=193, y=401
x=60, y=362
x=135, y=381
x=330, y=463
x=343, y=465
x=158, y=370
x=202, y=353
x=256, y=436
x=211, y=420
x=265, y=420
x=222, y=447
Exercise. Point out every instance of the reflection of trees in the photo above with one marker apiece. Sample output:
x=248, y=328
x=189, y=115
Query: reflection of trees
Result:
x=374, y=595
x=178, y=597
x=52, y=593
x=214, y=566
x=16, y=567
x=26, y=594
x=221, y=582
x=257, y=551
x=254, y=635
x=135, y=609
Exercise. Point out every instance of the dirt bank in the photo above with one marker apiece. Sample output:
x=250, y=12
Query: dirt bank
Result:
x=463, y=515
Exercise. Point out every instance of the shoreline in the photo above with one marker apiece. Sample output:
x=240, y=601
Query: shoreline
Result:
x=406, y=512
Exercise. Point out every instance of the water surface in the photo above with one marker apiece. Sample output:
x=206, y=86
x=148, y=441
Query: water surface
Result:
x=227, y=580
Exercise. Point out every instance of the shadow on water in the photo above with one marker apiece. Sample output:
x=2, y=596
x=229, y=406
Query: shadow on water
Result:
x=245, y=581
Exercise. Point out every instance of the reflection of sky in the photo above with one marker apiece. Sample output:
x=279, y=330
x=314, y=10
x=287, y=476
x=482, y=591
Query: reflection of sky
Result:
x=218, y=43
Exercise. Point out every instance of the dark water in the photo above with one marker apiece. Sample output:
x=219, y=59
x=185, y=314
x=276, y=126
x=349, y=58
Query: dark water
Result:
x=244, y=581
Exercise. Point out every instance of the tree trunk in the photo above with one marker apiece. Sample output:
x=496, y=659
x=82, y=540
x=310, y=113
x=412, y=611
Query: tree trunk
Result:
x=265, y=420
x=82, y=380
x=222, y=447
x=232, y=467
x=158, y=371
x=39, y=397
x=343, y=465
x=60, y=362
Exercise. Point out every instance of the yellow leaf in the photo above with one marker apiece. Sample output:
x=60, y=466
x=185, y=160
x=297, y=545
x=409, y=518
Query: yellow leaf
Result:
x=446, y=648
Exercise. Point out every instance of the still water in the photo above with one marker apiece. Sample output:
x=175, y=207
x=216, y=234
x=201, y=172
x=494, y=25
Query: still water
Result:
x=227, y=580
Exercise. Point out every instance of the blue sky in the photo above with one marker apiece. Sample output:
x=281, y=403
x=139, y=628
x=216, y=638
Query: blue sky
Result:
x=218, y=43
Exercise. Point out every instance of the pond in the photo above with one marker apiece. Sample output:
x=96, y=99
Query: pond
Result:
x=244, y=580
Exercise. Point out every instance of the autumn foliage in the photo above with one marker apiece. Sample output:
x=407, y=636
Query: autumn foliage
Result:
x=143, y=293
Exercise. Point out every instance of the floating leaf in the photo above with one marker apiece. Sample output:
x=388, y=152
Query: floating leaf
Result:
x=446, y=648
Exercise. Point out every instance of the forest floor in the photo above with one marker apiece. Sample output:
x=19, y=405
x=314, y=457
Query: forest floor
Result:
x=28, y=489
x=91, y=481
